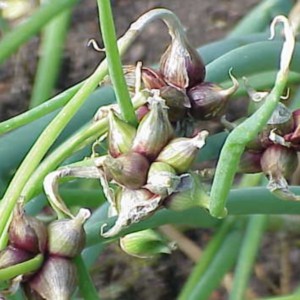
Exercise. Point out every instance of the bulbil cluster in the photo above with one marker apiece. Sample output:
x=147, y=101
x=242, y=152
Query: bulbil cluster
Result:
x=57, y=243
x=147, y=164
x=274, y=151
x=151, y=164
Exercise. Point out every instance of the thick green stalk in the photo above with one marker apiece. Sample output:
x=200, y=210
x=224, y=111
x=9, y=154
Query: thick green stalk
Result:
x=114, y=62
x=220, y=265
x=206, y=257
x=50, y=53
x=251, y=242
x=14, y=39
x=86, y=287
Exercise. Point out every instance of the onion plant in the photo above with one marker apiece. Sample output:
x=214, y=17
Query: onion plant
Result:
x=152, y=153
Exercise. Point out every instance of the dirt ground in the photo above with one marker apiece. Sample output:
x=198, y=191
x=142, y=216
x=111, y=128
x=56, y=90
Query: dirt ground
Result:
x=119, y=276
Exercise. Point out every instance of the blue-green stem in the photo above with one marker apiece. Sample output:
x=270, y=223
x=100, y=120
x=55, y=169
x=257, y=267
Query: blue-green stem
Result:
x=15, y=38
x=250, y=245
x=220, y=265
x=22, y=268
x=86, y=287
x=39, y=111
x=114, y=62
x=50, y=53
x=260, y=16
x=207, y=256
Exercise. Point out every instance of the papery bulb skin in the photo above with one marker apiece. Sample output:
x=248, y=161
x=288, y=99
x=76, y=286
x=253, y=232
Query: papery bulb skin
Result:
x=26, y=232
x=67, y=236
x=133, y=206
x=278, y=161
x=150, y=78
x=181, y=152
x=250, y=162
x=129, y=170
x=154, y=131
x=181, y=64
x=209, y=100
x=177, y=102
x=281, y=122
x=120, y=135
x=56, y=280
x=11, y=256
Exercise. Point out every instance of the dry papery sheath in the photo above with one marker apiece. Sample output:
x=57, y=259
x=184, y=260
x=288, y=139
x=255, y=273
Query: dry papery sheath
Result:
x=133, y=206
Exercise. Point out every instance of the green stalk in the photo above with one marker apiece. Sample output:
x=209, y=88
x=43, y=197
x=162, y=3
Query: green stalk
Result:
x=43, y=143
x=220, y=265
x=52, y=44
x=251, y=242
x=86, y=287
x=207, y=256
x=22, y=268
x=259, y=18
x=82, y=138
x=14, y=39
x=114, y=62
x=39, y=111
x=253, y=58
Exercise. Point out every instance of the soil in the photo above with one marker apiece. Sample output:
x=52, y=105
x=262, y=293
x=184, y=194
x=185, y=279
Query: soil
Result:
x=119, y=276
